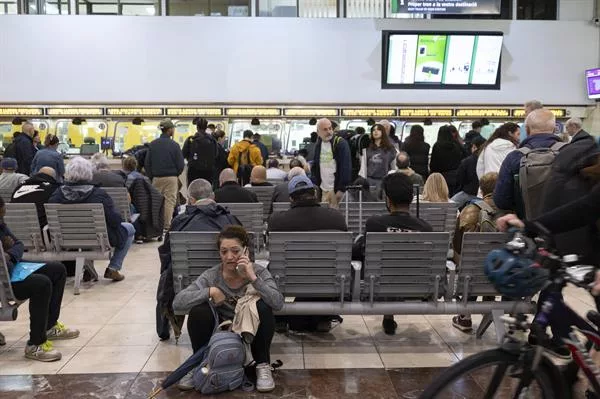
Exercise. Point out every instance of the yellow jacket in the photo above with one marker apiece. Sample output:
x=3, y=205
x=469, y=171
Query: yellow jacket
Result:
x=254, y=156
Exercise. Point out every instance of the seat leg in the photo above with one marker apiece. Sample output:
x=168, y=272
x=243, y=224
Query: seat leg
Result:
x=78, y=274
x=483, y=326
x=499, y=324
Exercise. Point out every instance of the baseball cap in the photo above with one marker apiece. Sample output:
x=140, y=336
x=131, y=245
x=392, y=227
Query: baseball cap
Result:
x=166, y=124
x=299, y=183
x=8, y=163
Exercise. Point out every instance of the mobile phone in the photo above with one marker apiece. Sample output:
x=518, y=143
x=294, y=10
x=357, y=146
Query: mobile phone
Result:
x=244, y=253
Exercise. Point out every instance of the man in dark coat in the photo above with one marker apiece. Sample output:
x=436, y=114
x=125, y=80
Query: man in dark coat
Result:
x=231, y=191
x=24, y=149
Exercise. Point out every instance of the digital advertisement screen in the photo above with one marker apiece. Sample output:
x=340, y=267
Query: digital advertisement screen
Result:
x=488, y=7
x=441, y=60
x=593, y=83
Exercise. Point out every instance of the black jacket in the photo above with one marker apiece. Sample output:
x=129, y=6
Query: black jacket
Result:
x=37, y=190
x=231, y=192
x=445, y=156
x=466, y=178
x=308, y=216
x=343, y=161
x=419, y=158
x=164, y=158
x=149, y=203
x=567, y=184
x=108, y=178
x=11, y=245
x=85, y=193
x=24, y=153
x=264, y=151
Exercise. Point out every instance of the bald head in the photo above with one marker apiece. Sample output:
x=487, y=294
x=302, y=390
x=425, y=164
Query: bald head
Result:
x=540, y=121
x=258, y=174
x=226, y=176
x=47, y=170
x=296, y=171
x=324, y=129
x=402, y=160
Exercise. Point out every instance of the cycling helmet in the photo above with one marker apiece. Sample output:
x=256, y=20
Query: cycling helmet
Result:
x=513, y=275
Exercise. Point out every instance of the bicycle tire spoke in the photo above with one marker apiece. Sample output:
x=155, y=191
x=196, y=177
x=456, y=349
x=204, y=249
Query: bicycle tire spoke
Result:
x=496, y=380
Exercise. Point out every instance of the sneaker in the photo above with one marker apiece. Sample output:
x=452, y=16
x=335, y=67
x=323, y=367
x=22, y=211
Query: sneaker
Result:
x=187, y=382
x=60, y=331
x=264, y=378
x=462, y=323
x=113, y=275
x=43, y=353
x=389, y=325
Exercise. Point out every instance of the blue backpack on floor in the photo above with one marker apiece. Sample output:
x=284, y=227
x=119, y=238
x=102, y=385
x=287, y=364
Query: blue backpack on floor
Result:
x=222, y=365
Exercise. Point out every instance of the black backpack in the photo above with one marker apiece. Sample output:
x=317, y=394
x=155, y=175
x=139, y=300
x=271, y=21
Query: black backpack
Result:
x=203, y=152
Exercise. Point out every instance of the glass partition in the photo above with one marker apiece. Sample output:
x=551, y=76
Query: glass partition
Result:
x=127, y=135
x=277, y=8
x=298, y=131
x=317, y=8
x=271, y=131
x=431, y=131
x=365, y=8
x=117, y=7
x=76, y=135
x=8, y=7
x=225, y=8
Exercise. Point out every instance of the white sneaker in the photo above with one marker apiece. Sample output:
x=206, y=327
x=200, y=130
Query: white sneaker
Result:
x=264, y=378
x=187, y=382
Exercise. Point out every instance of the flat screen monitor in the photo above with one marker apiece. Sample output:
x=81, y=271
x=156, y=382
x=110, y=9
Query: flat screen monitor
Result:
x=489, y=7
x=441, y=60
x=106, y=143
x=592, y=77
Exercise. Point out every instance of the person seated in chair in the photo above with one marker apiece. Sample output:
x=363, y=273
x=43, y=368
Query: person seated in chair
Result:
x=9, y=179
x=231, y=191
x=78, y=189
x=258, y=177
x=44, y=288
x=103, y=176
x=280, y=193
x=37, y=190
x=222, y=286
x=398, y=189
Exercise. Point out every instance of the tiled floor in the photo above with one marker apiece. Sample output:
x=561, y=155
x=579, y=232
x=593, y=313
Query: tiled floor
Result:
x=118, y=336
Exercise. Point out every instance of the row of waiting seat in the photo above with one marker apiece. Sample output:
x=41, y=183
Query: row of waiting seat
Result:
x=403, y=273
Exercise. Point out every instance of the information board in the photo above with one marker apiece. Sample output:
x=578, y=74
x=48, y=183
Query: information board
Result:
x=489, y=7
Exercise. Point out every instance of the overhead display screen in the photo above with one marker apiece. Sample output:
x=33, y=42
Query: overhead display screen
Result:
x=446, y=6
x=593, y=83
x=441, y=60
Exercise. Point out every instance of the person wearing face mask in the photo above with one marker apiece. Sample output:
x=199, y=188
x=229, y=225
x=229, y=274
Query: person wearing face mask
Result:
x=331, y=170
x=223, y=285
x=379, y=158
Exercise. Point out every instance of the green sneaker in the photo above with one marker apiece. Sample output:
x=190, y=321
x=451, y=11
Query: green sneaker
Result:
x=43, y=353
x=60, y=331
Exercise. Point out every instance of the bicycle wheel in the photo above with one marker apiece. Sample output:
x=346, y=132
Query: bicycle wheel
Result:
x=487, y=375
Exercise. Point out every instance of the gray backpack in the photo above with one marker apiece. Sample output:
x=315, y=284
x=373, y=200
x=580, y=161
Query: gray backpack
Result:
x=534, y=171
x=222, y=366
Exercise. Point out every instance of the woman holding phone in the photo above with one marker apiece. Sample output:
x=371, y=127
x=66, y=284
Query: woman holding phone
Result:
x=223, y=285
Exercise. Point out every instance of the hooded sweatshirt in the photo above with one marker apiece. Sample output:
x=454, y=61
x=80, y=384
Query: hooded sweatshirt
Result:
x=493, y=155
x=85, y=193
x=240, y=148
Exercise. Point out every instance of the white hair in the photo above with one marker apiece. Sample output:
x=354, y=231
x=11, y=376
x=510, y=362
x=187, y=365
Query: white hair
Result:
x=200, y=189
x=575, y=122
x=99, y=161
x=79, y=170
x=541, y=121
x=296, y=171
x=533, y=105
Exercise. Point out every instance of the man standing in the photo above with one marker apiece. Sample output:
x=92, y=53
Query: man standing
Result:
x=574, y=128
x=243, y=156
x=529, y=107
x=264, y=151
x=332, y=166
x=164, y=164
x=24, y=149
x=201, y=153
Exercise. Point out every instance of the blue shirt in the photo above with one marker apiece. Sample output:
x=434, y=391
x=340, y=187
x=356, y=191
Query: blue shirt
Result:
x=48, y=157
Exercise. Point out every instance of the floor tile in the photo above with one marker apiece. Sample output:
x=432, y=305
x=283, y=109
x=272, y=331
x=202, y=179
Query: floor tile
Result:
x=336, y=356
x=411, y=356
x=13, y=362
x=108, y=359
x=13, y=333
x=410, y=383
x=136, y=312
x=167, y=357
x=126, y=335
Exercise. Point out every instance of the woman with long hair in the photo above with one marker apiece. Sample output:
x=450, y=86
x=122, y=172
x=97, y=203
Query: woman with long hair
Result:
x=446, y=156
x=418, y=150
x=502, y=142
x=435, y=189
x=378, y=158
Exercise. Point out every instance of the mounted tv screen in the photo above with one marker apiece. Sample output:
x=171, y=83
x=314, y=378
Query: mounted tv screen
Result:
x=593, y=83
x=441, y=60
x=489, y=7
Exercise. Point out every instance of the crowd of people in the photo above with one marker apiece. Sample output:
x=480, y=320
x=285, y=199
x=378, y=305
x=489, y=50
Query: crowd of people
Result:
x=481, y=175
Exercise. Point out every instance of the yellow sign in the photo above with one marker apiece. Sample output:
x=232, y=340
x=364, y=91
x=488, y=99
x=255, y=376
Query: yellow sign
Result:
x=310, y=112
x=191, y=112
x=369, y=112
x=74, y=111
x=425, y=113
x=483, y=113
x=252, y=112
x=135, y=112
x=558, y=112
x=16, y=111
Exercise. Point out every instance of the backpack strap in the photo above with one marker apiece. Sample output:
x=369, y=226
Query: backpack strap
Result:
x=557, y=146
x=524, y=150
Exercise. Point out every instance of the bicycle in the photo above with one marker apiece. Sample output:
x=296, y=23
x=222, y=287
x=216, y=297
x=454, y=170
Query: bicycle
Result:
x=522, y=370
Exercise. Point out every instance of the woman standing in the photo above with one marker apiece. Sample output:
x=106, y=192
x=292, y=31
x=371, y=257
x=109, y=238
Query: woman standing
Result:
x=378, y=158
x=49, y=156
x=446, y=156
x=504, y=140
x=418, y=150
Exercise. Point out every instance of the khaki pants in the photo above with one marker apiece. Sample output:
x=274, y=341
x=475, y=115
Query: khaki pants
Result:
x=330, y=198
x=168, y=188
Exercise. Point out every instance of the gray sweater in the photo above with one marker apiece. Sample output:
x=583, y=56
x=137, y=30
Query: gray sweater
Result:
x=197, y=292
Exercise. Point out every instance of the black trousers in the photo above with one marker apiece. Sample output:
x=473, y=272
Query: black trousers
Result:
x=44, y=289
x=201, y=324
x=193, y=174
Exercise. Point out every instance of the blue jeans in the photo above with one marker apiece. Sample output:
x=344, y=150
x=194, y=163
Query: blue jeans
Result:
x=116, y=261
x=461, y=198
